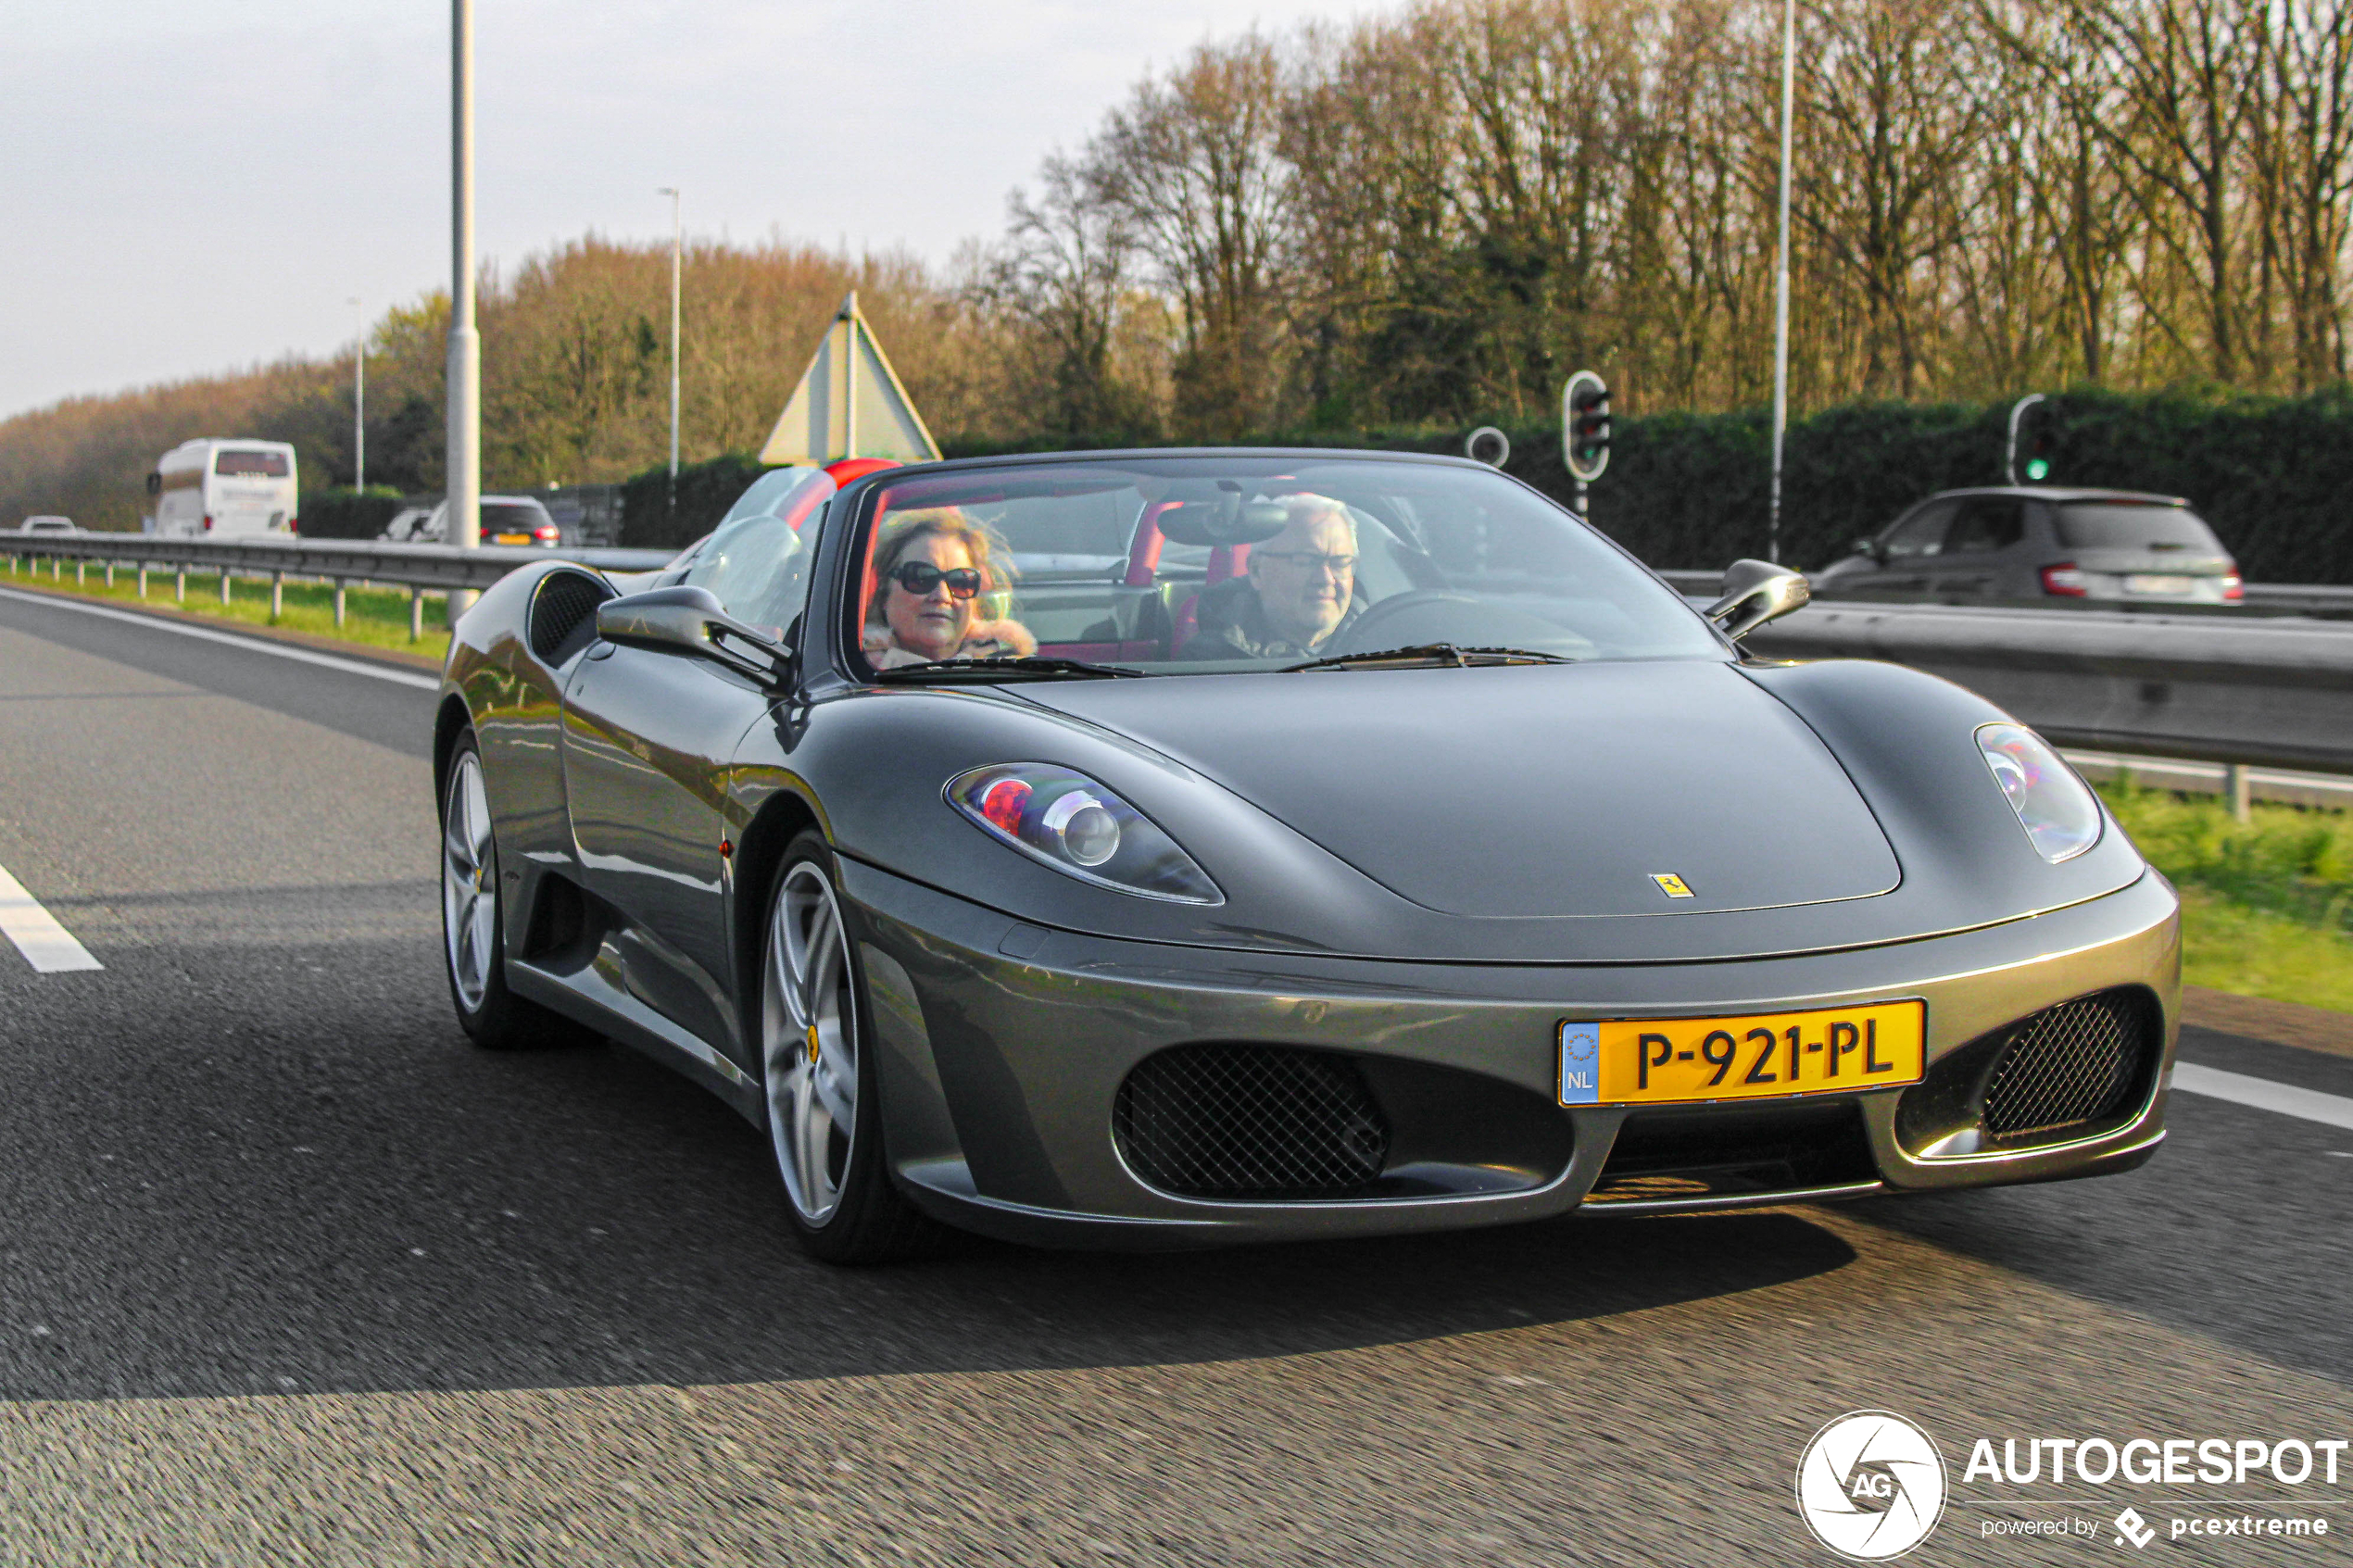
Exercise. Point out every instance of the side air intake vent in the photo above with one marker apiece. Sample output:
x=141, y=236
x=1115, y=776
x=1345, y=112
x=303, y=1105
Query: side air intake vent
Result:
x=1250, y=1121
x=2073, y=1064
x=563, y=614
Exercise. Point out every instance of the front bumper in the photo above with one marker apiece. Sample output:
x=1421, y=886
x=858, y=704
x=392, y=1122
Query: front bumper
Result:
x=1001, y=1048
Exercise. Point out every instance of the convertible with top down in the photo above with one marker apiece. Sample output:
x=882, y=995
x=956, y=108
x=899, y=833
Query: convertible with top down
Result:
x=1171, y=849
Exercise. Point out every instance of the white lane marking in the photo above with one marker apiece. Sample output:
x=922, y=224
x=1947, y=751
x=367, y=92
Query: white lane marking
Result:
x=2332, y=1110
x=46, y=945
x=251, y=645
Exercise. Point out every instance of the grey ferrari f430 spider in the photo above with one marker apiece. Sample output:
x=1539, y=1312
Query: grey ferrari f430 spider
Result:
x=1181, y=847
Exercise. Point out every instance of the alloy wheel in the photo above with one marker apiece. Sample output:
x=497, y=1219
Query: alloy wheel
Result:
x=469, y=882
x=809, y=1045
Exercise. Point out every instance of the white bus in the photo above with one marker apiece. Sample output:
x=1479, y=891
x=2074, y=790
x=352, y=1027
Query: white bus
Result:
x=213, y=488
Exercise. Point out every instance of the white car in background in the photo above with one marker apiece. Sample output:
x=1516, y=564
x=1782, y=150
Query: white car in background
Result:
x=506, y=519
x=48, y=525
x=407, y=522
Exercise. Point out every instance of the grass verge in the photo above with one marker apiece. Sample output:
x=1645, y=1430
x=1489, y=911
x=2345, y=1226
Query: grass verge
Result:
x=2267, y=905
x=2229, y=947
x=373, y=617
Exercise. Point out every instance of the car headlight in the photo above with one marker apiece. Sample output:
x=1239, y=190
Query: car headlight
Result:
x=1076, y=825
x=2061, y=816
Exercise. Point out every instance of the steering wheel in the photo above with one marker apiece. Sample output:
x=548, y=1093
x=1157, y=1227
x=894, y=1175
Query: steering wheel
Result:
x=1442, y=615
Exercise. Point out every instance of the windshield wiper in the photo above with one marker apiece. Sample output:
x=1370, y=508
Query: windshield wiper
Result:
x=1444, y=655
x=1015, y=667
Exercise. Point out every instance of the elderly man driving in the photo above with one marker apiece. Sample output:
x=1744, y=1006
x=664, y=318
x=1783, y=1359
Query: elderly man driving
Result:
x=1301, y=590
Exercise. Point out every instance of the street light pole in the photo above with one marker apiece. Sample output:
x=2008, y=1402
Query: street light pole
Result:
x=464, y=462
x=1780, y=281
x=677, y=241
x=359, y=404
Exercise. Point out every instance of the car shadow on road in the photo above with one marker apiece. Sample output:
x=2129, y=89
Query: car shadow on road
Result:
x=336, y=1192
x=2235, y=1231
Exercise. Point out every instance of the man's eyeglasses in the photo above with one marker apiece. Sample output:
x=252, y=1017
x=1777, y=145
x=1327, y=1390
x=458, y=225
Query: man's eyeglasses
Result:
x=1338, y=566
x=919, y=577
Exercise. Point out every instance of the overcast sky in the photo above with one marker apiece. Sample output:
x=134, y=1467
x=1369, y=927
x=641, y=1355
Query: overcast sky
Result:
x=197, y=185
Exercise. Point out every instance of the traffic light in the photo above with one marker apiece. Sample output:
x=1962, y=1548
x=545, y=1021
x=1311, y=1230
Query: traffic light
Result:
x=1593, y=426
x=2033, y=445
x=2041, y=446
x=1585, y=426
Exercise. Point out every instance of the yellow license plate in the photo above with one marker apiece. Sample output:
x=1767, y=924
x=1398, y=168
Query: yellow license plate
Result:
x=1663, y=1060
x=511, y=538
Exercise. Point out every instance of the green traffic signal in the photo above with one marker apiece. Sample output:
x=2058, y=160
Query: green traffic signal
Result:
x=2037, y=470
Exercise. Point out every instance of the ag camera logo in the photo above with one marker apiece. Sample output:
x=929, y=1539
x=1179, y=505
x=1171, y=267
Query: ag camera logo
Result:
x=1870, y=1485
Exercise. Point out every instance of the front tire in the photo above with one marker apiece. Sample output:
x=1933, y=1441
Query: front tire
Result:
x=474, y=939
x=824, y=1121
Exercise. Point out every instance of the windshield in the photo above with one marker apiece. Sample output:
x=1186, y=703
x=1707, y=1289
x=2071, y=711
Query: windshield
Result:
x=776, y=492
x=2125, y=526
x=757, y=560
x=1196, y=565
x=256, y=464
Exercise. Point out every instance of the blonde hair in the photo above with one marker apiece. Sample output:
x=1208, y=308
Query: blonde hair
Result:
x=988, y=553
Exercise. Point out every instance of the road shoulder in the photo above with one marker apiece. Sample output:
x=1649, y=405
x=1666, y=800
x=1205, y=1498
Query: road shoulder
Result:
x=2260, y=1018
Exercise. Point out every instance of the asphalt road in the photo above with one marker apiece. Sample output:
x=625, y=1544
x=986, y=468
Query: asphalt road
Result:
x=291, y=1273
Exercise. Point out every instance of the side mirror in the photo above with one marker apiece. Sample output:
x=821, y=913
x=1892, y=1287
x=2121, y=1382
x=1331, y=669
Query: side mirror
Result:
x=692, y=621
x=1866, y=546
x=1755, y=592
x=154, y=484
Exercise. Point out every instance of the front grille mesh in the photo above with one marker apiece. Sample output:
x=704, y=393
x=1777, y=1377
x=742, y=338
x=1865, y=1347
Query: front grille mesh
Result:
x=1243, y=1121
x=2071, y=1064
x=562, y=612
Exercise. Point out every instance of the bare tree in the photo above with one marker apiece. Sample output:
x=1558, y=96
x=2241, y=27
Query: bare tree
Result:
x=1061, y=282
x=1191, y=165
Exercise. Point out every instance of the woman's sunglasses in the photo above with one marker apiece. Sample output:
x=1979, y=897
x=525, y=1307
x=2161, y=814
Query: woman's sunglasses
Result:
x=919, y=577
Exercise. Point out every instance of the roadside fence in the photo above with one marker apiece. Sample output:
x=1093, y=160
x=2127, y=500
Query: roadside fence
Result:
x=2243, y=691
x=343, y=562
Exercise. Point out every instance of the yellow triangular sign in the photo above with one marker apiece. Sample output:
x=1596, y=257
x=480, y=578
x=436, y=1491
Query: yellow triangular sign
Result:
x=848, y=404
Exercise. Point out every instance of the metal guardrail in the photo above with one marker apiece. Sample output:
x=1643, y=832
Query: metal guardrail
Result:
x=377, y=561
x=2280, y=785
x=418, y=568
x=2274, y=691
x=2268, y=690
x=2301, y=598
x=2273, y=598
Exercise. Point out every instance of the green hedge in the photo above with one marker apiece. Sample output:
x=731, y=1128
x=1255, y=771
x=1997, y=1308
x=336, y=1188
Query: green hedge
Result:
x=656, y=517
x=2273, y=475
x=349, y=514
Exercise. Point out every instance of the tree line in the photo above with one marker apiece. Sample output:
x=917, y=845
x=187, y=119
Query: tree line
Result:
x=575, y=376
x=1438, y=213
x=1429, y=218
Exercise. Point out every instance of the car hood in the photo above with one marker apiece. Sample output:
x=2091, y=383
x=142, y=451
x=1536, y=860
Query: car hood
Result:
x=1597, y=791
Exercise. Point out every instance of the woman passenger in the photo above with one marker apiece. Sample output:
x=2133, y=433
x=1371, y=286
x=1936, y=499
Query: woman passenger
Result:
x=930, y=570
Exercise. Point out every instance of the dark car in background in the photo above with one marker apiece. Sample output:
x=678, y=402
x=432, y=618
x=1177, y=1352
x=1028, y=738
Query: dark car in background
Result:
x=506, y=519
x=2041, y=543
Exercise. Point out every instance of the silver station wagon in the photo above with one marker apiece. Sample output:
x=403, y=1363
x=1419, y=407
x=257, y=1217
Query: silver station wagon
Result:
x=2040, y=544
